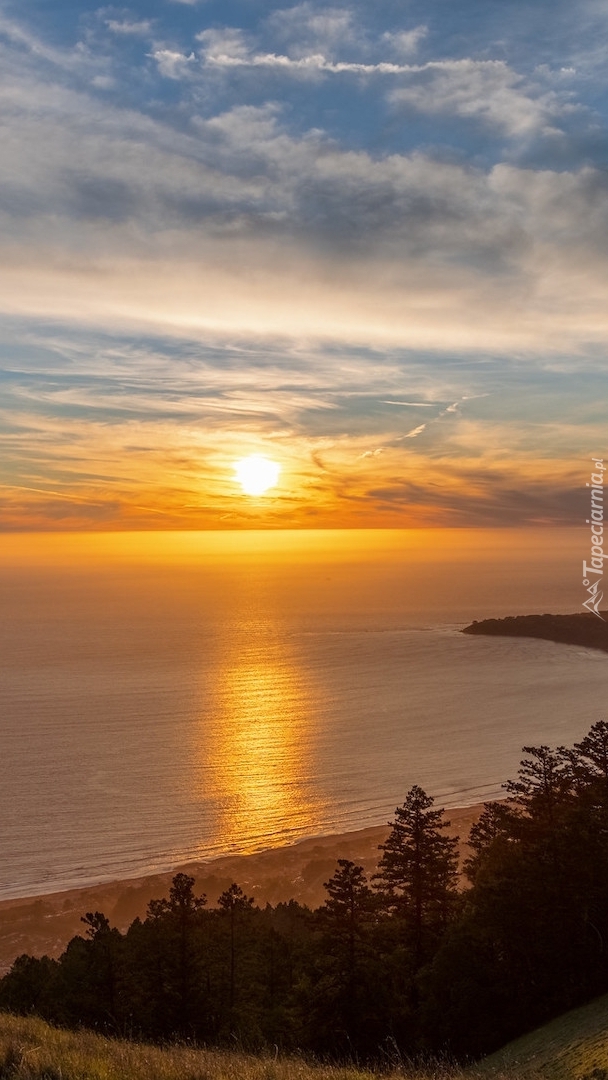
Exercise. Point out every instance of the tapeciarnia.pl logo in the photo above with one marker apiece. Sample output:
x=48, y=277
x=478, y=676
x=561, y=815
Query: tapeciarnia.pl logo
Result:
x=593, y=571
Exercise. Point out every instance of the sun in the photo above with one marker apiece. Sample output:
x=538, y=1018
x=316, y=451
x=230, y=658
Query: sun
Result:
x=256, y=474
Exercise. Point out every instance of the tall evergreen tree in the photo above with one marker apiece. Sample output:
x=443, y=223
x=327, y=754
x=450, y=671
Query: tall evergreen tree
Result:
x=174, y=923
x=497, y=826
x=594, y=747
x=233, y=905
x=417, y=873
x=346, y=918
x=588, y=761
x=349, y=906
x=89, y=971
x=543, y=783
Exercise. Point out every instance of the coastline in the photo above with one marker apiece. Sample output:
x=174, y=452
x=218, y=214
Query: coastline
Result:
x=43, y=924
x=581, y=629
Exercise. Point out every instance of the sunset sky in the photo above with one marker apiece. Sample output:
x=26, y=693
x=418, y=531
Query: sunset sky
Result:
x=368, y=241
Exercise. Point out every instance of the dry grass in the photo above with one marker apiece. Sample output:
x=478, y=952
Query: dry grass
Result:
x=573, y=1047
x=32, y=1050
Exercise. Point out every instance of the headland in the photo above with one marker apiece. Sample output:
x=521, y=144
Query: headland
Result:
x=583, y=629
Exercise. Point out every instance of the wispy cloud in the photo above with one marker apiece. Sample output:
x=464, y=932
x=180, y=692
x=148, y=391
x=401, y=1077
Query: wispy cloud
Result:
x=488, y=91
x=281, y=236
x=316, y=63
x=404, y=42
x=415, y=432
x=172, y=64
x=138, y=28
x=308, y=27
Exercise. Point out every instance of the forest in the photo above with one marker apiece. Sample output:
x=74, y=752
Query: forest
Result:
x=426, y=958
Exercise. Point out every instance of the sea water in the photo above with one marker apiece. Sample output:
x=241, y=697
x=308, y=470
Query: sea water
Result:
x=152, y=714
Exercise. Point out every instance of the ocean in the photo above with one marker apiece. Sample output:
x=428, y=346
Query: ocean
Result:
x=156, y=710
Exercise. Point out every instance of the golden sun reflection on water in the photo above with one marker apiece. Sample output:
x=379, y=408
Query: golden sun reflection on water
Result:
x=255, y=746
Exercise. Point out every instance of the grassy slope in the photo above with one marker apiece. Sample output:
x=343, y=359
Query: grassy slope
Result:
x=569, y=1048
x=31, y=1050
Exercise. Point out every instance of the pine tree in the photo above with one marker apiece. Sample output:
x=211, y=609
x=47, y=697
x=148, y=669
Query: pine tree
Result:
x=543, y=783
x=182, y=903
x=233, y=904
x=591, y=756
x=417, y=873
x=175, y=921
x=104, y=947
x=347, y=917
x=497, y=825
x=349, y=906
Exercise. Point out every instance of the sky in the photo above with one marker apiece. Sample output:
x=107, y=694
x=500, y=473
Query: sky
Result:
x=368, y=241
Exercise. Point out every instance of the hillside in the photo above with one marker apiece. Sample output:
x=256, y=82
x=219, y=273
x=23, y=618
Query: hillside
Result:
x=573, y=1047
x=32, y=1050
x=581, y=629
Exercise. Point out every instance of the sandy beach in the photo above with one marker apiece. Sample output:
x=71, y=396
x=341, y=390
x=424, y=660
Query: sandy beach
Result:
x=44, y=924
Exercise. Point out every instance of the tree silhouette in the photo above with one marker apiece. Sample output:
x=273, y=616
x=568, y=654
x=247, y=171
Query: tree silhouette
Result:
x=417, y=873
x=233, y=904
x=182, y=903
x=350, y=904
x=497, y=826
x=345, y=916
x=104, y=950
x=588, y=762
x=410, y=962
x=543, y=783
x=32, y=986
x=175, y=921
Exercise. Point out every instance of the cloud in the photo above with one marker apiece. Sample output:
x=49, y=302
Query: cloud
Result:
x=103, y=82
x=316, y=62
x=487, y=91
x=141, y=28
x=313, y=39
x=308, y=28
x=209, y=249
x=110, y=215
x=404, y=42
x=229, y=42
x=24, y=43
x=172, y=64
x=98, y=429
x=415, y=432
